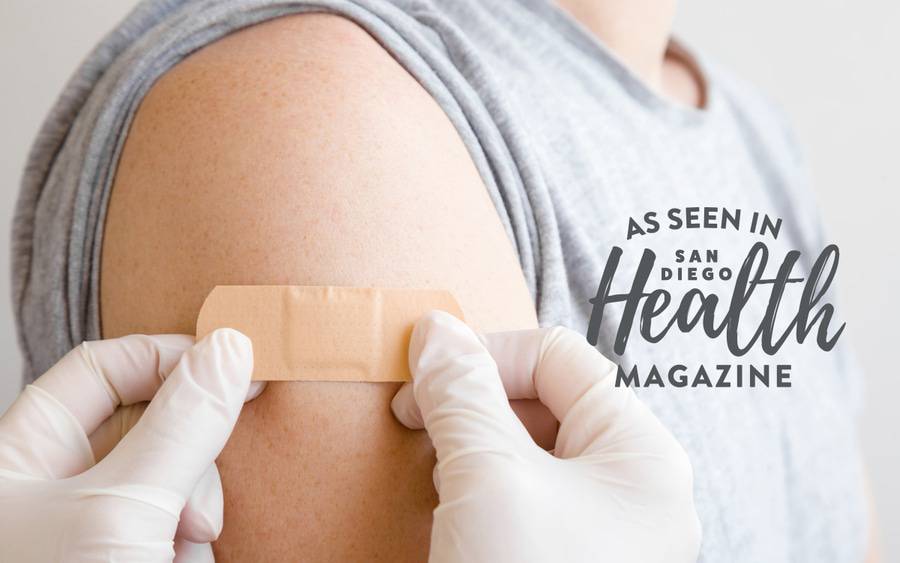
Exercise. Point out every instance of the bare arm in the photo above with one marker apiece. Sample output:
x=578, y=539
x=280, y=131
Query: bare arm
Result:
x=299, y=152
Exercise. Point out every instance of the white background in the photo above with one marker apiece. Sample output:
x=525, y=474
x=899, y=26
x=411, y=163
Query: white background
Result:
x=831, y=63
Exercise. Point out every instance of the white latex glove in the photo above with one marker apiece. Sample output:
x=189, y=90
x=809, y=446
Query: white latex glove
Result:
x=617, y=488
x=57, y=504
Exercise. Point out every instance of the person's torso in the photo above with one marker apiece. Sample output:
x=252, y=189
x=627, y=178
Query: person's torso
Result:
x=777, y=474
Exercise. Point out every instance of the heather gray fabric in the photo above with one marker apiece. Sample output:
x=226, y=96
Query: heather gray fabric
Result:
x=569, y=145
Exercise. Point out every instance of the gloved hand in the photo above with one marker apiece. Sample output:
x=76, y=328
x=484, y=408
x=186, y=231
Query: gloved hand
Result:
x=57, y=504
x=617, y=487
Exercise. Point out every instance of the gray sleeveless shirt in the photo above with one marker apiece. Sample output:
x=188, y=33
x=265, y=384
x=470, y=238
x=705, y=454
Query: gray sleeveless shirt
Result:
x=570, y=146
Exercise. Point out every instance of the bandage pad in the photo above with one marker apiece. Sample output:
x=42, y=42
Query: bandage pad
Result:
x=323, y=333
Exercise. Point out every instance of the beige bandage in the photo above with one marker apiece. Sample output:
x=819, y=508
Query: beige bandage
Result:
x=323, y=333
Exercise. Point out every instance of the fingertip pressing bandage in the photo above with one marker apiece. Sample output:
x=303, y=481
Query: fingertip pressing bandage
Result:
x=323, y=333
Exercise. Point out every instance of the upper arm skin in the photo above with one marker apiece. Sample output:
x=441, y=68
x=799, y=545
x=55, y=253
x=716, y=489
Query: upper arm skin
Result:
x=299, y=152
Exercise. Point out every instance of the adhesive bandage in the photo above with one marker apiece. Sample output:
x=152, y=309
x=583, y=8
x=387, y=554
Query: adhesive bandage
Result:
x=323, y=333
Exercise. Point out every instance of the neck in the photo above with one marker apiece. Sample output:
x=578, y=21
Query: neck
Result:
x=637, y=31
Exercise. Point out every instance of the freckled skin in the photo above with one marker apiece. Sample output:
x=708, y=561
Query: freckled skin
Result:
x=278, y=155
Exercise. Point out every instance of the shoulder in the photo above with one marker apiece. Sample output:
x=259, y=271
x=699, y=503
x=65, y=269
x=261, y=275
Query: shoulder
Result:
x=297, y=152
x=313, y=75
